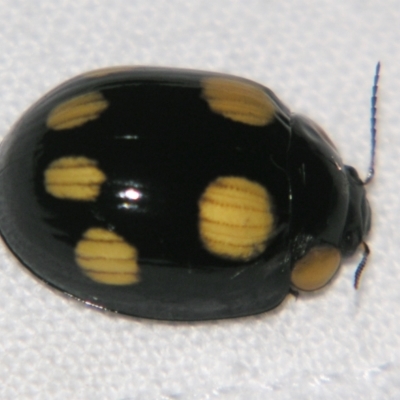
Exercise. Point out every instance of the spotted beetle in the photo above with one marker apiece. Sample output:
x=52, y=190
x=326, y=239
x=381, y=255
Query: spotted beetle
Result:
x=177, y=194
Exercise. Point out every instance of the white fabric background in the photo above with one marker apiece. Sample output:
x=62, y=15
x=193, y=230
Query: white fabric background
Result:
x=319, y=57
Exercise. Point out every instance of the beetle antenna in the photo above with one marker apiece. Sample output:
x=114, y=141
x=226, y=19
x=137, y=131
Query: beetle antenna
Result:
x=361, y=265
x=374, y=97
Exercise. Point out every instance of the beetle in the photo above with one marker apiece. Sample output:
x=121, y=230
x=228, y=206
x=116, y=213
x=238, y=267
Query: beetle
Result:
x=177, y=195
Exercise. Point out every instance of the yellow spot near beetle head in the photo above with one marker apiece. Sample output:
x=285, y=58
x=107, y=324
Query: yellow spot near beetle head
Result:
x=235, y=218
x=107, y=258
x=240, y=101
x=77, y=111
x=74, y=178
x=316, y=268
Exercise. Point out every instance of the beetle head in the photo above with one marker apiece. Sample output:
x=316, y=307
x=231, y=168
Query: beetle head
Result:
x=358, y=222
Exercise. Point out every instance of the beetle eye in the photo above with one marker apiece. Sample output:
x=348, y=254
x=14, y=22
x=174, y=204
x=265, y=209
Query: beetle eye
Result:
x=351, y=241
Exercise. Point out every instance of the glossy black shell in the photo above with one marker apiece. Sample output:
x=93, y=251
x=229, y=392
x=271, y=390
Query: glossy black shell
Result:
x=159, y=137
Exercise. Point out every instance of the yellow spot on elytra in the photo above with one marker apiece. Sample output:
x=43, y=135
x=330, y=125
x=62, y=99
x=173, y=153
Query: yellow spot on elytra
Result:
x=238, y=100
x=107, y=258
x=77, y=111
x=235, y=218
x=316, y=268
x=74, y=178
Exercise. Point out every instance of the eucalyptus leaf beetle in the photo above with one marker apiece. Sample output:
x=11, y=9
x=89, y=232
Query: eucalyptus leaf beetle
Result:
x=177, y=195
